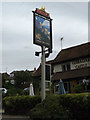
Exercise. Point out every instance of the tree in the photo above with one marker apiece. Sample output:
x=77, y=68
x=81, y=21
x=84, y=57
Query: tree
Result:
x=22, y=78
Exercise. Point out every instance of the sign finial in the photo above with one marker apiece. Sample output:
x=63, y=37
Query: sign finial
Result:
x=43, y=8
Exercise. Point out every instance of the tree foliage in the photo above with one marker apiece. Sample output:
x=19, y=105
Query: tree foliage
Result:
x=22, y=77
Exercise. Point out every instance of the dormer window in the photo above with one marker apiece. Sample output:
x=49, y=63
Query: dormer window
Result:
x=11, y=75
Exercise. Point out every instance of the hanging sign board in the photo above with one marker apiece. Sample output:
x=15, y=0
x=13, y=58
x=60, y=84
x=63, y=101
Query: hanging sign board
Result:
x=42, y=28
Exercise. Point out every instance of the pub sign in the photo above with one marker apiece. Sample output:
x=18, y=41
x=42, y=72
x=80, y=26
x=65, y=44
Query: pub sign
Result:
x=42, y=28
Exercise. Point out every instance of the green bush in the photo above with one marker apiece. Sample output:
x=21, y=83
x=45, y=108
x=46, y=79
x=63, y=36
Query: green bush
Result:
x=55, y=107
x=77, y=105
x=63, y=107
x=49, y=109
x=20, y=104
x=78, y=88
x=14, y=91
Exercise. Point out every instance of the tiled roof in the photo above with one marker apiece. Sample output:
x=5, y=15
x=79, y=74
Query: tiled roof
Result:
x=73, y=53
x=6, y=75
x=37, y=73
x=84, y=72
x=14, y=72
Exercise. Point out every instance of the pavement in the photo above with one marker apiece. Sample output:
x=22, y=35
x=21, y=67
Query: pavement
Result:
x=3, y=116
x=14, y=117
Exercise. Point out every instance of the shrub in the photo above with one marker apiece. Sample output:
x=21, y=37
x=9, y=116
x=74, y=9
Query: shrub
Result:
x=14, y=91
x=63, y=107
x=20, y=104
x=49, y=109
x=78, y=88
x=77, y=105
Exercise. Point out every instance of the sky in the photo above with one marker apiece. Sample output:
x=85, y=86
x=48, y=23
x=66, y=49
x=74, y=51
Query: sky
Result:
x=70, y=21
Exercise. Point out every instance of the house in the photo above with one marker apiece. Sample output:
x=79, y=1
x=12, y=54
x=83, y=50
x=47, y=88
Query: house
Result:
x=5, y=77
x=25, y=77
x=72, y=65
x=12, y=75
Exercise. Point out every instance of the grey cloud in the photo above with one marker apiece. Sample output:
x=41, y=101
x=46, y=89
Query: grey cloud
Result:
x=69, y=21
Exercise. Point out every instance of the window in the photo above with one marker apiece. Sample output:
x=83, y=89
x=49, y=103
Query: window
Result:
x=47, y=72
x=11, y=75
x=66, y=67
x=47, y=84
x=63, y=68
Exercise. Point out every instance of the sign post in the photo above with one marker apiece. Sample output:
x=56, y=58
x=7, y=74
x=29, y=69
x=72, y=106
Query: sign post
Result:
x=42, y=36
x=43, y=74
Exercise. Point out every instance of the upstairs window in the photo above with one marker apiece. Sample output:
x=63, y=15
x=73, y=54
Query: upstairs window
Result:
x=63, y=68
x=66, y=67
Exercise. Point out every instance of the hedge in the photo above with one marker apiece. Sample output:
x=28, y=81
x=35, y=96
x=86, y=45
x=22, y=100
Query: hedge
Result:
x=49, y=109
x=77, y=104
x=55, y=107
x=63, y=107
x=20, y=104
